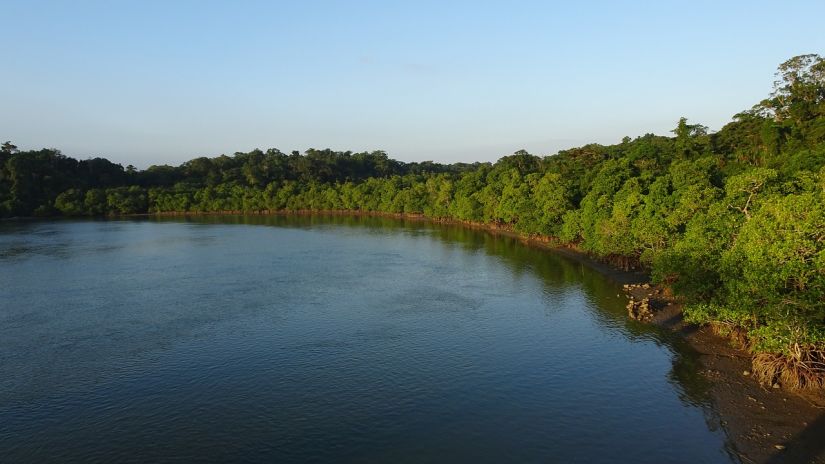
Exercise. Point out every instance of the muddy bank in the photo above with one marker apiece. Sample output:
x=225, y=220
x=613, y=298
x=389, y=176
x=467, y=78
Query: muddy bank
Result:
x=764, y=424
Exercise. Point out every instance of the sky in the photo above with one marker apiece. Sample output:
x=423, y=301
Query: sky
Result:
x=160, y=82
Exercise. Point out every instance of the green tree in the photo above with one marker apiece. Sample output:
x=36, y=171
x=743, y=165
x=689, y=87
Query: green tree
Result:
x=70, y=203
x=774, y=273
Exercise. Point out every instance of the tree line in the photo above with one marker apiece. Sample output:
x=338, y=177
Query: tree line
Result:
x=733, y=221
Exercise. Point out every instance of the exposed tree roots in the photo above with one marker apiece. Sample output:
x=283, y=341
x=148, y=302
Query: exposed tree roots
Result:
x=804, y=370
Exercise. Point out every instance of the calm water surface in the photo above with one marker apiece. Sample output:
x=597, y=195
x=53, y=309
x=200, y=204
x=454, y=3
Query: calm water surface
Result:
x=275, y=339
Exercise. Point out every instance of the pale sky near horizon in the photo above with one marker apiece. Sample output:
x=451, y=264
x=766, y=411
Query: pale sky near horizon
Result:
x=161, y=82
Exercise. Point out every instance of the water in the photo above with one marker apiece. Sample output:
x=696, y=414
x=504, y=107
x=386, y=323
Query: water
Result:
x=276, y=339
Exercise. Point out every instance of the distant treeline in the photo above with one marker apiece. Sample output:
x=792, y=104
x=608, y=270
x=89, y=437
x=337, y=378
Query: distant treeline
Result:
x=734, y=221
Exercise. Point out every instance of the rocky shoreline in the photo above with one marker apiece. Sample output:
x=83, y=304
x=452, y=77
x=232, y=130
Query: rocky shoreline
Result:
x=765, y=423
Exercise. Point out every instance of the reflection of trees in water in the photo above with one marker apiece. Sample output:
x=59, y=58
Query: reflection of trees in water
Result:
x=558, y=272
x=555, y=272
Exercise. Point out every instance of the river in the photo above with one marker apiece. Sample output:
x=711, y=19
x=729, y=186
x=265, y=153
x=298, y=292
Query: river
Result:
x=328, y=339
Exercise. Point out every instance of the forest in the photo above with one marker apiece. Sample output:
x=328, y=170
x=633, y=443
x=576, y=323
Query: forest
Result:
x=732, y=221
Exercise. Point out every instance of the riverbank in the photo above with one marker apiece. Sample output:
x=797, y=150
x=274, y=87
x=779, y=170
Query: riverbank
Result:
x=764, y=424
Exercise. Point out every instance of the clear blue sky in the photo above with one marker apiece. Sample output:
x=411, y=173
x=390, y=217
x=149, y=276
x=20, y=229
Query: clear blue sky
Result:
x=147, y=82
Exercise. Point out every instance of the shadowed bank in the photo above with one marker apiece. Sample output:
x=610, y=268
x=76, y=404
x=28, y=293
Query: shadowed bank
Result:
x=806, y=447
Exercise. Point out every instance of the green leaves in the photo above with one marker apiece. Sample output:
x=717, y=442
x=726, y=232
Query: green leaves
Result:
x=742, y=191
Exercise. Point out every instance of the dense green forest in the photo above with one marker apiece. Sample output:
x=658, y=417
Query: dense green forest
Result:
x=733, y=221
